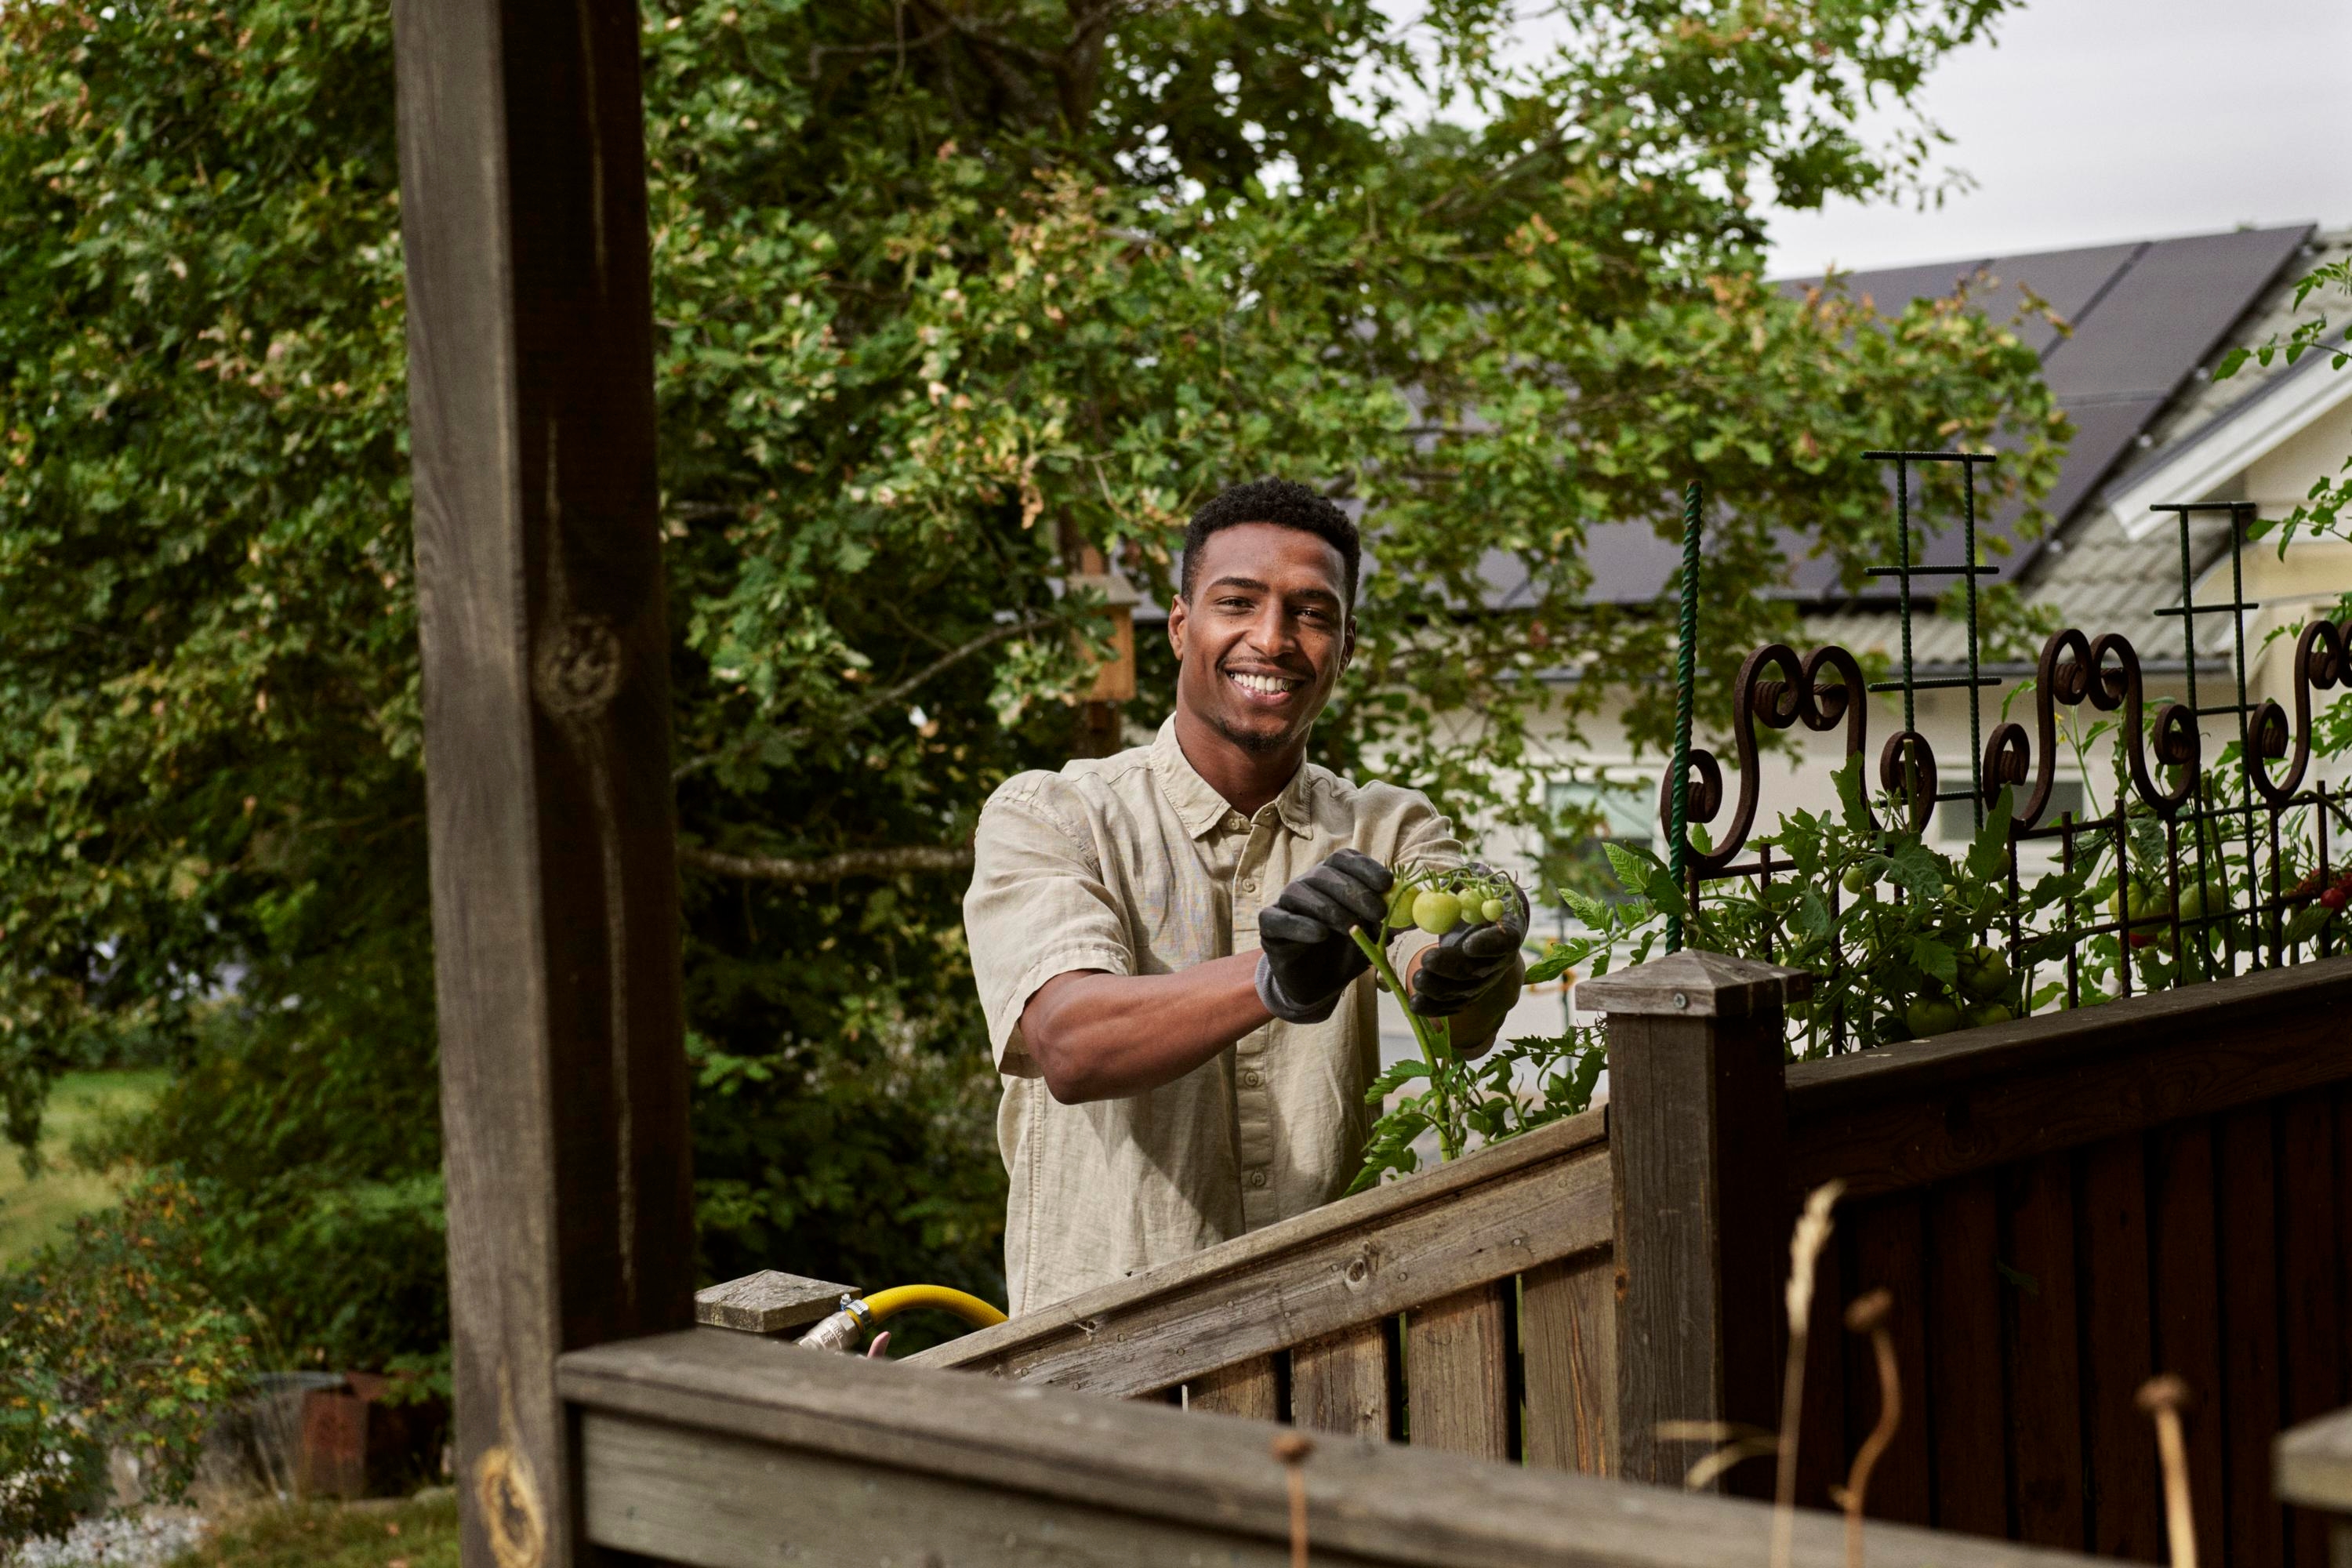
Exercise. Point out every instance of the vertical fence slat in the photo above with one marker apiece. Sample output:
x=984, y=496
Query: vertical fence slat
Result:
x=1457, y=1396
x=1888, y=1253
x=1967, y=1405
x=1246, y=1388
x=2127, y=1500
x=2309, y=1236
x=2045, y=1365
x=1567, y=1330
x=1339, y=1383
x=2189, y=1308
x=2246, y=1152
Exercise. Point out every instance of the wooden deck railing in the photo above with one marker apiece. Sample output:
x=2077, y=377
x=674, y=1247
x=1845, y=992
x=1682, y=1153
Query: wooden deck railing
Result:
x=2061, y=1206
x=723, y=1450
x=1469, y=1310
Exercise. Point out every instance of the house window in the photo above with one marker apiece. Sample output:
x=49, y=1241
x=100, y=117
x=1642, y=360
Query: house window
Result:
x=1587, y=814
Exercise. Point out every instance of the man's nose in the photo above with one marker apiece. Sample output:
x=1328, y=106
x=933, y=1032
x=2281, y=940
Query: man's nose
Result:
x=1271, y=632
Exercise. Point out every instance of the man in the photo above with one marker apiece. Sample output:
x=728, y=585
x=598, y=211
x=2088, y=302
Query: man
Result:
x=1161, y=942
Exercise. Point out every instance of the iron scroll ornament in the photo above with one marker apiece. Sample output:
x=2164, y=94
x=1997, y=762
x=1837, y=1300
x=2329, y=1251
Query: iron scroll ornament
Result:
x=1794, y=694
x=2105, y=672
x=2323, y=660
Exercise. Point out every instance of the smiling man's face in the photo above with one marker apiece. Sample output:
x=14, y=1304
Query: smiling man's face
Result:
x=1263, y=637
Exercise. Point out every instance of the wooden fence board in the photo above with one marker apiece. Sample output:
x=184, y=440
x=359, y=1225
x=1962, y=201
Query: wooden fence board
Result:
x=2246, y=1158
x=722, y=1454
x=1967, y=1402
x=1457, y=1393
x=2185, y=1265
x=1482, y=1218
x=1889, y=1254
x=2044, y=1358
x=1339, y=1383
x=1903, y=1116
x=1250, y=1388
x=2127, y=1488
x=2310, y=1240
x=1568, y=1334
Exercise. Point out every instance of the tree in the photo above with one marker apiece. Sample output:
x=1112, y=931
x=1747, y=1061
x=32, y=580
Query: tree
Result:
x=945, y=293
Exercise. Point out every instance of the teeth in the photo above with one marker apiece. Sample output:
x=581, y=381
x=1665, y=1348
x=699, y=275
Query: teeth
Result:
x=1264, y=685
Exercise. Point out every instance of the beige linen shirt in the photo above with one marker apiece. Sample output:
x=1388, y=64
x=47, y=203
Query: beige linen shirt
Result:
x=1134, y=864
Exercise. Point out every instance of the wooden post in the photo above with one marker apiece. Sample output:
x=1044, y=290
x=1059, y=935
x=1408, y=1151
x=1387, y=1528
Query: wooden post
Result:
x=539, y=573
x=1698, y=1134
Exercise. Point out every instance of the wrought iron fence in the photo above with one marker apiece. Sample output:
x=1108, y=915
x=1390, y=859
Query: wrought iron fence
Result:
x=2198, y=871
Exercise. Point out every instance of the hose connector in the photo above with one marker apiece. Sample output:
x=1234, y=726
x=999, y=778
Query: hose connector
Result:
x=843, y=1330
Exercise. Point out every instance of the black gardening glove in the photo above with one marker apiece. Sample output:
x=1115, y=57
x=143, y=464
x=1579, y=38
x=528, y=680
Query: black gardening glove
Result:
x=1306, y=956
x=1469, y=960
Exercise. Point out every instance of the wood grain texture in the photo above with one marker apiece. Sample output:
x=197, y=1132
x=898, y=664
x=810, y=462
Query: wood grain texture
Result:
x=1694, y=1140
x=1568, y=1332
x=1250, y=1388
x=1888, y=1252
x=545, y=658
x=2118, y=1354
x=2311, y=1240
x=1905, y=1115
x=1339, y=1383
x=2045, y=1389
x=1457, y=1396
x=1967, y=1408
x=722, y=1444
x=2185, y=1262
x=1478, y=1219
x=2245, y=1159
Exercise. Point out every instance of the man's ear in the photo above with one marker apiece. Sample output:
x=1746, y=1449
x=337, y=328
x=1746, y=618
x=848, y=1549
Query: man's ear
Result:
x=1176, y=613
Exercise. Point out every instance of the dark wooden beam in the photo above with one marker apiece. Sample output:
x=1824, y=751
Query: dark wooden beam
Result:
x=547, y=724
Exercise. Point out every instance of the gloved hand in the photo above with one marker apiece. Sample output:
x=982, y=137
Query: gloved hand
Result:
x=1468, y=960
x=1306, y=957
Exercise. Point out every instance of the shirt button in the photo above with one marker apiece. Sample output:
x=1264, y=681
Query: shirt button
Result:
x=1247, y=885
x=1257, y=1178
x=1236, y=821
x=1252, y=1080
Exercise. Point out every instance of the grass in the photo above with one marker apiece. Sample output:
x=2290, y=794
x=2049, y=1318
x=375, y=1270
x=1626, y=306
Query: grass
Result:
x=39, y=1209
x=415, y=1532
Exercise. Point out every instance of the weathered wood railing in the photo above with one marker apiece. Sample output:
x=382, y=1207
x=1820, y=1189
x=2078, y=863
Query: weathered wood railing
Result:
x=2062, y=1206
x=724, y=1450
x=1468, y=1310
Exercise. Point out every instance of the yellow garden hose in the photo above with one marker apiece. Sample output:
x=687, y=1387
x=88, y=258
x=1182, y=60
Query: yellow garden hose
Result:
x=857, y=1318
x=899, y=1297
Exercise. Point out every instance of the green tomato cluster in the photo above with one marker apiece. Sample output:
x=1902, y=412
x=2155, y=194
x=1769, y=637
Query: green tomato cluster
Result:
x=1986, y=992
x=1438, y=902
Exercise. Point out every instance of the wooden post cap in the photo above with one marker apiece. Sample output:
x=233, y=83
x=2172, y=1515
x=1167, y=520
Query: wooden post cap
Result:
x=768, y=1303
x=1694, y=984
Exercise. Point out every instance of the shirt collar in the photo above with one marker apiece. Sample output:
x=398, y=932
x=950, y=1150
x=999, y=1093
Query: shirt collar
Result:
x=1198, y=804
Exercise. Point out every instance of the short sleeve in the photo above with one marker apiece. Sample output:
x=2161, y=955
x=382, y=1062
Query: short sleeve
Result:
x=1038, y=907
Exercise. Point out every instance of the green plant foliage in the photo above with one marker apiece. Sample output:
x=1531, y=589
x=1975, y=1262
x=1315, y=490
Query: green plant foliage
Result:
x=937, y=300
x=111, y=1339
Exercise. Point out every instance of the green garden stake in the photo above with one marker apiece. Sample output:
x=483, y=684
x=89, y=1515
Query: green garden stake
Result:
x=1679, y=793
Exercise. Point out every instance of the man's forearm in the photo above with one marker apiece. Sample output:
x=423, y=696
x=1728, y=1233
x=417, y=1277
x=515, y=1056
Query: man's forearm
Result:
x=1100, y=1036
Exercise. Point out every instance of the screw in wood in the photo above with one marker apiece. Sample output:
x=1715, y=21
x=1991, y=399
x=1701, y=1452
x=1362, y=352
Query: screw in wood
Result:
x=1291, y=1448
x=2164, y=1396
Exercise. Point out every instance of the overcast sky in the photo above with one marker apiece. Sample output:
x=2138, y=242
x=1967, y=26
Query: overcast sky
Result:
x=2096, y=121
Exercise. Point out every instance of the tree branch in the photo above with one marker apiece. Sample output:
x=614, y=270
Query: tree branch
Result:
x=863, y=710
x=882, y=862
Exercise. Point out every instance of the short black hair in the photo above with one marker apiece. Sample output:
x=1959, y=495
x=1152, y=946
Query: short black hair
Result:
x=1285, y=503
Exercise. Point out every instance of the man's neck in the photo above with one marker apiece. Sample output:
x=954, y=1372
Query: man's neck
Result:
x=1247, y=779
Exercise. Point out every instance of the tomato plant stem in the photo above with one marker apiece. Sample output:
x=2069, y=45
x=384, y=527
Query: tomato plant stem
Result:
x=1434, y=1050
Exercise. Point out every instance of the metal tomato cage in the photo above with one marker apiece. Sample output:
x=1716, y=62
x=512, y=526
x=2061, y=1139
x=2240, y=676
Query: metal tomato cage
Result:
x=2172, y=813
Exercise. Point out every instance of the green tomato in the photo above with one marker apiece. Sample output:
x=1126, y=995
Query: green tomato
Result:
x=1988, y=1013
x=1491, y=910
x=1931, y=1016
x=1436, y=911
x=1859, y=880
x=2197, y=903
x=1400, y=907
x=1984, y=974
